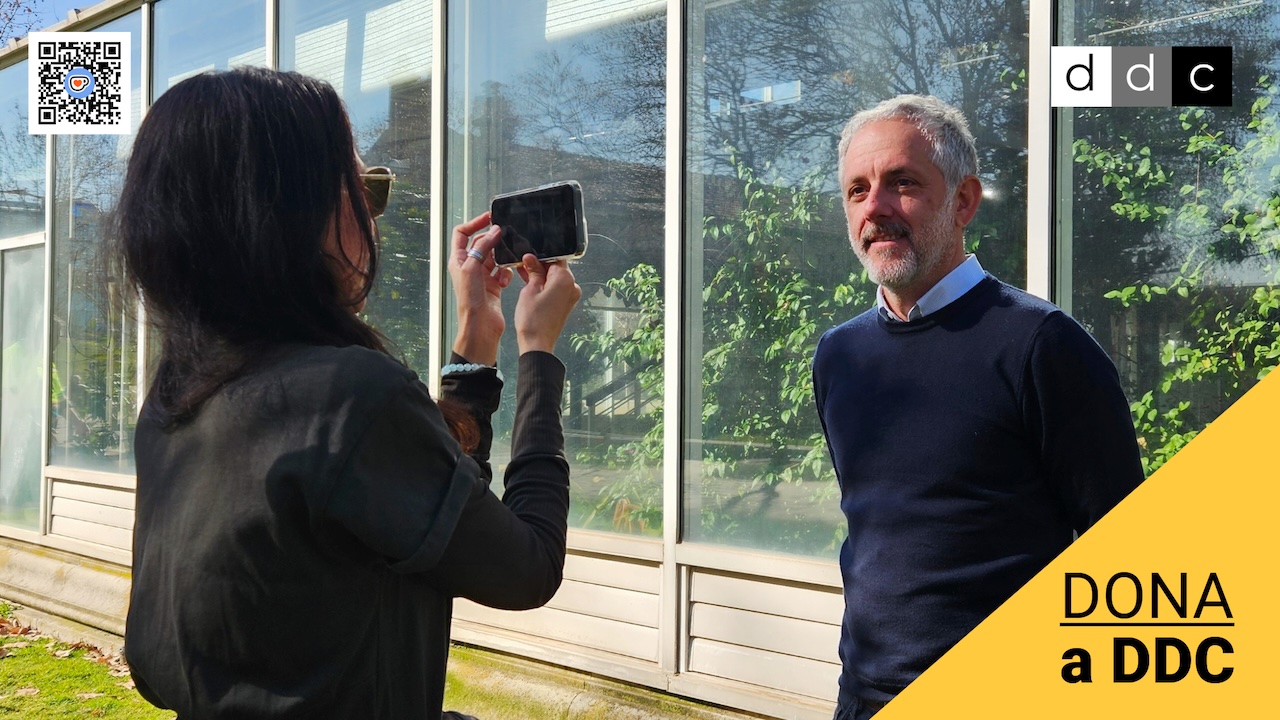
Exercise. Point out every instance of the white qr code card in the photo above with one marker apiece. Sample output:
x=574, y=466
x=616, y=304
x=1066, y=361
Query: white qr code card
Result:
x=79, y=83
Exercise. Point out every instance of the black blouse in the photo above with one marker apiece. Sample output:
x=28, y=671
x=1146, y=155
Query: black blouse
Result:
x=298, y=543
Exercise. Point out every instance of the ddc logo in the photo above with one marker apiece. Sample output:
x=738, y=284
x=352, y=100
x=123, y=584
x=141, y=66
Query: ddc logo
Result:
x=1140, y=76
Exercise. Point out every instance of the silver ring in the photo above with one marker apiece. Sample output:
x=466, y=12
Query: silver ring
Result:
x=476, y=254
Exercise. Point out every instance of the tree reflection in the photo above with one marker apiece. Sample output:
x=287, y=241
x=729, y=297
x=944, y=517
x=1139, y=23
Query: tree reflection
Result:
x=770, y=85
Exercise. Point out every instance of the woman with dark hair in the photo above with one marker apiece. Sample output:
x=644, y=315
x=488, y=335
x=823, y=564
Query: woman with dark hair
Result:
x=305, y=511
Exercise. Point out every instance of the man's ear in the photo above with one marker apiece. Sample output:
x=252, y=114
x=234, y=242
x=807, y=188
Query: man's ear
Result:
x=968, y=196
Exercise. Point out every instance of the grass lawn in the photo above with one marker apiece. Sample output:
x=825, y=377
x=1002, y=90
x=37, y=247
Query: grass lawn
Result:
x=42, y=678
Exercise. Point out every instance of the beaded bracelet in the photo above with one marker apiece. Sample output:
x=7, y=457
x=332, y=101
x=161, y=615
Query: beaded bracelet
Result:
x=456, y=368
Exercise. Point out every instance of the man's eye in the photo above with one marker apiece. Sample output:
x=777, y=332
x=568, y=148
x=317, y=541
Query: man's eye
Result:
x=905, y=182
x=856, y=190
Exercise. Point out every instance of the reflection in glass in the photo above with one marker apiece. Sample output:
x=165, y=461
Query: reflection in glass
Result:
x=21, y=159
x=578, y=95
x=21, y=382
x=192, y=36
x=1169, y=252
x=769, y=268
x=377, y=55
x=94, y=335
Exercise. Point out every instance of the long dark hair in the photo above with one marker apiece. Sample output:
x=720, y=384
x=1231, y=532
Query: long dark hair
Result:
x=234, y=181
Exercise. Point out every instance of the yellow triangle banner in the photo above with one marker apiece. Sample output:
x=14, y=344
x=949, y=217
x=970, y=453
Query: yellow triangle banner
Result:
x=1168, y=607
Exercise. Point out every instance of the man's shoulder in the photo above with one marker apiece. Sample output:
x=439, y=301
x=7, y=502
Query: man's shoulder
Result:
x=855, y=326
x=1045, y=326
x=844, y=337
x=1022, y=299
x=1015, y=307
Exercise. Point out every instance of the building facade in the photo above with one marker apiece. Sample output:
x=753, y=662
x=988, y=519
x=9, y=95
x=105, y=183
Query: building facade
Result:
x=705, y=519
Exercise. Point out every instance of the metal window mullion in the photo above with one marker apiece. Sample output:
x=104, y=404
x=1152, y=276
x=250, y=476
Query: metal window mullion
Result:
x=4, y=251
x=670, y=626
x=1039, y=153
x=50, y=188
x=273, y=29
x=147, y=40
x=23, y=241
x=141, y=364
x=3, y=277
x=437, y=256
x=1060, y=143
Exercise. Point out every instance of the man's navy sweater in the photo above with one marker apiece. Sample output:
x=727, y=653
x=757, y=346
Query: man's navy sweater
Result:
x=969, y=445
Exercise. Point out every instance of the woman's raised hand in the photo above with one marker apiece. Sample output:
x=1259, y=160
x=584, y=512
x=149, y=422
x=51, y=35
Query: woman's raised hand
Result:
x=548, y=297
x=477, y=287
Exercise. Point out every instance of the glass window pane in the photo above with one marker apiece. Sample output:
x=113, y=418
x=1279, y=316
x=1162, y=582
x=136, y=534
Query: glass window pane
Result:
x=21, y=382
x=578, y=94
x=377, y=54
x=94, y=336
x=21, y=159
x=771, y=85
x=1167, y=236
x=192, y=36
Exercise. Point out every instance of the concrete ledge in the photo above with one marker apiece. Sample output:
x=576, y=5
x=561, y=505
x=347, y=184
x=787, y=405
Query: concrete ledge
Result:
x=486, y=684
x=87, y=591
x=496, y=686
x=68, y=631
x=81, y=599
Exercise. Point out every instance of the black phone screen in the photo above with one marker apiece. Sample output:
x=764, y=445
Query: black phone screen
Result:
x=543, y=222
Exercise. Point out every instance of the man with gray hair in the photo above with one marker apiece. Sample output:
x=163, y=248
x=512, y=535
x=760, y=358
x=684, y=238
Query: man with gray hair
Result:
x=975, y=429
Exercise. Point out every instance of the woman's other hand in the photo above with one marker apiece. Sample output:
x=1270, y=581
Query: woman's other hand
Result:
x=477, y=287
x=548, y=297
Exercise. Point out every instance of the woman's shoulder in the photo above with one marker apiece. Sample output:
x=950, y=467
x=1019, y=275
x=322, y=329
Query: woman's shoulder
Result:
x=351, y=359
x=329, y=376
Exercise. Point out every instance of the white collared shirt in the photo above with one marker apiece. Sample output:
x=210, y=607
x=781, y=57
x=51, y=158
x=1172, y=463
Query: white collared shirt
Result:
x=949, y=289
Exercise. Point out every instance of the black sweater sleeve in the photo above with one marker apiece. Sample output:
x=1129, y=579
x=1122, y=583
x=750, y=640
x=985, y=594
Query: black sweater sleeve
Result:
x=411, y=497
x=1080, y=419
x=510, y=554
x=479, y=392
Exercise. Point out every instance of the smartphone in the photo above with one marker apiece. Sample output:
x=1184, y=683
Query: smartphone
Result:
x=547, y=221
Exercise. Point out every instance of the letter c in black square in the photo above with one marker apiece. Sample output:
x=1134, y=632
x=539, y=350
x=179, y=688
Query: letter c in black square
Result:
x=1202, y=76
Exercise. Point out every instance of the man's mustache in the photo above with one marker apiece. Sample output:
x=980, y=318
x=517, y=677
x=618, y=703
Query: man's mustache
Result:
x=887, y=231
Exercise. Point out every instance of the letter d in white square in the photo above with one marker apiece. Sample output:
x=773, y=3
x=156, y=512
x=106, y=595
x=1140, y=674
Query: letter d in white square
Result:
x=1080, y=76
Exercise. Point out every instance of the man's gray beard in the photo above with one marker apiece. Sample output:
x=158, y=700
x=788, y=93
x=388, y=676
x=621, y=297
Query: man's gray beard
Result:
x=925, y=250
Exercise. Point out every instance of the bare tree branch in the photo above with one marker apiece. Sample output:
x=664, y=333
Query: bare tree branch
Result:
x=17, y=18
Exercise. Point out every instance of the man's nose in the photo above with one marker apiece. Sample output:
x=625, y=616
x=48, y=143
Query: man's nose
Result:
x=878, y=203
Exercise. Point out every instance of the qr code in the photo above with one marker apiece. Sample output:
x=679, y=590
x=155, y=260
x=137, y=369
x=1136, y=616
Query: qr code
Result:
x=79, y=83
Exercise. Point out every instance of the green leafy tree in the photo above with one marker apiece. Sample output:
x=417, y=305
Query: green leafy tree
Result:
x=765, y=305
x=1217, y=208
x=398, y=302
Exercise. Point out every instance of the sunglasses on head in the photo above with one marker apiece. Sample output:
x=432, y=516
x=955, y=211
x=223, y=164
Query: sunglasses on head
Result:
x=377, y=188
